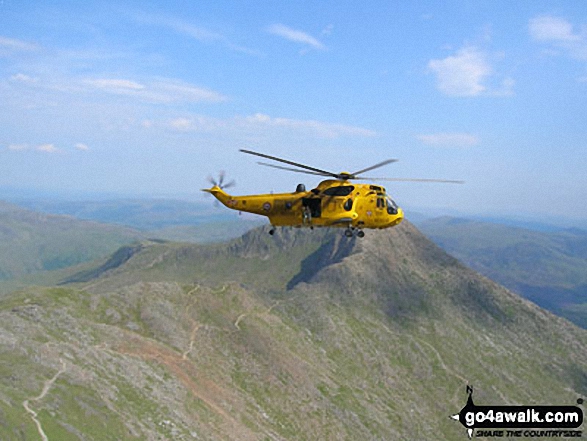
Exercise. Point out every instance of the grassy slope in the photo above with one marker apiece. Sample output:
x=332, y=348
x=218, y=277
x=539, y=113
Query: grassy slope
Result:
x=41, y=249
x=376, y=341
x=32, y=242
x=548, y=268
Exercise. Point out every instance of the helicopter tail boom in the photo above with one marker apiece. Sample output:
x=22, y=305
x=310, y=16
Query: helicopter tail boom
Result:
x=219, y=194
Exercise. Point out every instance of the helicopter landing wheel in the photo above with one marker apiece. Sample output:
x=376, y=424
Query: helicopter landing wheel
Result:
x=348, y=232
x=360, y=233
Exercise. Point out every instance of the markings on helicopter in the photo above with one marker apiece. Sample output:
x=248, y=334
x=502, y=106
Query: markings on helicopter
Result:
x=231, y=202
x=266, y=206
x=369, y=213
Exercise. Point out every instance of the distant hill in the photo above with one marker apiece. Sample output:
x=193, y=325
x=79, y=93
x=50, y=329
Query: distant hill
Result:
x=37, y=243
x=32, y=242
x=208, y=232
x=143, y=214
x=549, y=268
x=306, y=335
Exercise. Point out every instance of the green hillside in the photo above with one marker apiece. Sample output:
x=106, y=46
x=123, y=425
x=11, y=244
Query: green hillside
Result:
x=306, y=335
x=549, y=268
x=39, y=248
x=31, y=242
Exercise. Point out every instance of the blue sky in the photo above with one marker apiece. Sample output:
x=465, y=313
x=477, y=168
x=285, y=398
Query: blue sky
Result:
x=150, y=98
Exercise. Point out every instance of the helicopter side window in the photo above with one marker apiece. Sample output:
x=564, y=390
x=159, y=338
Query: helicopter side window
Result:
x=380, y=203
x=343, y=190
x=348, y=205
x=391, y=206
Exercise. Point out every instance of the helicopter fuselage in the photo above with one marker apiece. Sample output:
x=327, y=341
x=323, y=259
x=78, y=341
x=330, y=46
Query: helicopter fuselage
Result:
x=333, y=203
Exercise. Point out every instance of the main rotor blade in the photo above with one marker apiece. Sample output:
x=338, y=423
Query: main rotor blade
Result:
x=381, y=164
x=295, y=164
x=293, y=169
x=445, y=181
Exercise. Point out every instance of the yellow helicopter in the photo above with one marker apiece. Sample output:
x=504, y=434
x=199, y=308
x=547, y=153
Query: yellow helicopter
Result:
x=333, y=203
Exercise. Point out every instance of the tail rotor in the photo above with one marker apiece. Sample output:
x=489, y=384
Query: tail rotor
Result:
x=220, y=181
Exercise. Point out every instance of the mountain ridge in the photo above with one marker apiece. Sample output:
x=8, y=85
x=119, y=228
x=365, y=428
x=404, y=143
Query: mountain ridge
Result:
x=549, y=268
x=377, y=339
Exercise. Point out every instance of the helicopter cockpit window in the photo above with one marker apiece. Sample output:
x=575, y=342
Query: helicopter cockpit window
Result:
x=391, y=206
x=380, y=203
x=343, y=190
x=348, y=205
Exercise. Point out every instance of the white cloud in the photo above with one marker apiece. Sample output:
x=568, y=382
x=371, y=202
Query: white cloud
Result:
x=328, y=29
x=82, y=147
x=115, y=85
x=549, y=28
x=47, y=148
x=264, y=124
x=462, y=74
x=158, y=91
x=18, y=147
x=195, y=32
x=181, y=124
x=319, y=128
x=295, y=35
x=24, y=78
x=449, y=139
x=560, y=34
x=11, y=44
x=172, y=90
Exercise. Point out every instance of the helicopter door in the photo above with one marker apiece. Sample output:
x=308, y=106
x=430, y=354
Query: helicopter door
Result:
x=380, y=207
x=314, y=205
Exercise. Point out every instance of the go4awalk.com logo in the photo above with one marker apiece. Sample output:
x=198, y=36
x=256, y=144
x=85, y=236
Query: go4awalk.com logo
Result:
x=520, y=421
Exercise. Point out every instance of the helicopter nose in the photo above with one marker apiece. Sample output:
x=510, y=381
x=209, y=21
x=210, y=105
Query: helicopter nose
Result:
x=397, y=218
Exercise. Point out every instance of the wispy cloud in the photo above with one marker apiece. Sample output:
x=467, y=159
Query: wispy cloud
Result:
x=467, y=73
x=550, y=28
x=82, y=147
x=296, y=36
x=44, y=148
x=320, y=128
x=199, y=33
x=156, y=91
x=115, y=85
x=14, y=45
x=18, y=147
x=47, y=148
x=264, y=124
x=20, y=77
x=560, y=34
x=449, y=139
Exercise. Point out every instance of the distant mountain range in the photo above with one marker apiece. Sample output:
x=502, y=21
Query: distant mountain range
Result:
x=33, y=244
x=31, y=241
x=549, y=268
x=141, y=214
x=305, y=335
